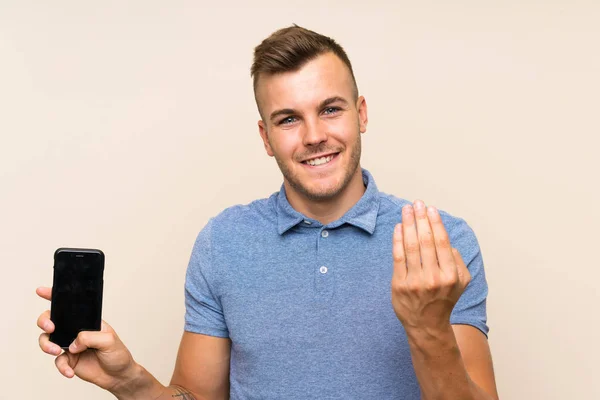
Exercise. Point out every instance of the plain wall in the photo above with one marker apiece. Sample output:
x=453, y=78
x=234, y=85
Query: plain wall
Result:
x=125, y=125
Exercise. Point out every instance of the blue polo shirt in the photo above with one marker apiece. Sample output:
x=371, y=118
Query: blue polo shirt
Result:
x=308, y=306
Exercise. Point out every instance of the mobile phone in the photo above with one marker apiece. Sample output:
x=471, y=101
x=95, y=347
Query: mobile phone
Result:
x=76, y=293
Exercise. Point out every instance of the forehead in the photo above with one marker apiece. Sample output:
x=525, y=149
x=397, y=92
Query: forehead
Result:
x=319, y=79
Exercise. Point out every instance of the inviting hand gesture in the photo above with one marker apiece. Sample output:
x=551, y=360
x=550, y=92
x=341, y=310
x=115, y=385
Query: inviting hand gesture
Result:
x=429, y=275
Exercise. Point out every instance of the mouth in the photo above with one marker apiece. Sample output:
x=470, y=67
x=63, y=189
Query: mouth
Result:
x=320, y=160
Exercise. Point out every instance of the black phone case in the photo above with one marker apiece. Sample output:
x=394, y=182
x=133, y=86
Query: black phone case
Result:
x=76, y=293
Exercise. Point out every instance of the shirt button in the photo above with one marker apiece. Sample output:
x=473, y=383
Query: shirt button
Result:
x=307, y=222
x=325, y=234
x=323, y=270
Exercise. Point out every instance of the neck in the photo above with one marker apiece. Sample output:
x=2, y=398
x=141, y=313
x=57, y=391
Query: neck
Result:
x=328, y=210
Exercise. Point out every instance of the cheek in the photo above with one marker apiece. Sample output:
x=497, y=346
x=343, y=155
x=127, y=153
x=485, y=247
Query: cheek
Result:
x=284, y=143
x=343, y=129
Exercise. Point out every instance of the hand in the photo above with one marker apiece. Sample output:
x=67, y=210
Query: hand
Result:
x=429, y=275
x=97, y=357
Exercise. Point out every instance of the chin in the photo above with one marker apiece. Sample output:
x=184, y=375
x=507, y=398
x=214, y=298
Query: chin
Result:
x=327, y=189
x=323, y=193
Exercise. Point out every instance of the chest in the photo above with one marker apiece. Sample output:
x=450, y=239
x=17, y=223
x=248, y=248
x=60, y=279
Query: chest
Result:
x=314, y=290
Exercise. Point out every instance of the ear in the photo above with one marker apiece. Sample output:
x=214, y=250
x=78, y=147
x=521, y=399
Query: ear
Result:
x=264, y=134
x=363, y=119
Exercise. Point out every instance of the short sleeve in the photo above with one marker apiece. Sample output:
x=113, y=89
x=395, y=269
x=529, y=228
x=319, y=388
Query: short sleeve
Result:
x=203, y=311
x=471, y=306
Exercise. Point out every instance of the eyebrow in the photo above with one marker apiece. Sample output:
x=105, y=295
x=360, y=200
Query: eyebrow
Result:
x=324, y=103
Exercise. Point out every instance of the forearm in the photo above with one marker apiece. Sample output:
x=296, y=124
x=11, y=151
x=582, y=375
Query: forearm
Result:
x=143, y=385
x=439, y=367
x=176, y=393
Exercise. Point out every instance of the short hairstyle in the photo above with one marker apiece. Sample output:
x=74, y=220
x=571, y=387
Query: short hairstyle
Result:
x=288, y=49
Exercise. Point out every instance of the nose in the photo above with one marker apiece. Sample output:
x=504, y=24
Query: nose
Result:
x=314, y=133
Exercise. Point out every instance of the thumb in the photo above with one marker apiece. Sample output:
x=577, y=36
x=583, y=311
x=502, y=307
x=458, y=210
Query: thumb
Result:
x=102, y=341
x=464, y=275
x=105, y=327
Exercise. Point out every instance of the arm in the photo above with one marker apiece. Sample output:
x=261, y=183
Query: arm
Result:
x=454, y=364
x=430, y=276
x=201, y=370
x=203, y=366
x=201, y=373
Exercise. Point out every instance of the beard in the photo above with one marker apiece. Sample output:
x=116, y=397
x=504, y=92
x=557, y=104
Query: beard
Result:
x=325, y=192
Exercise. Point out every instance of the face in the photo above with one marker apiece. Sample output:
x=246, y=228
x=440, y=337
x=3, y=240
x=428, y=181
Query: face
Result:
x=312, y=125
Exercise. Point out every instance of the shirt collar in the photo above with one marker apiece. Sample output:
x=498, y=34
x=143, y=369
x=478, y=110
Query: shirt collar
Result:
x=362, y=215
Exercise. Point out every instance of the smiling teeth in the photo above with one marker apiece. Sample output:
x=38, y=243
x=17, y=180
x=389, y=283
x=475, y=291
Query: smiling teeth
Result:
x=319, y=161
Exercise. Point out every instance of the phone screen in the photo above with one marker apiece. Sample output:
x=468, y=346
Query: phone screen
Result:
x=76, y=293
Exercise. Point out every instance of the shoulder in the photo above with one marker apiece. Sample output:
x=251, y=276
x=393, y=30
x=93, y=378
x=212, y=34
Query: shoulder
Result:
x=258, y=211
x=233, y=226
x=242, y=220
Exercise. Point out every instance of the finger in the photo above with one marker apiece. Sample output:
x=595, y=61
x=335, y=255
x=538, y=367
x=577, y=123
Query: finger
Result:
x=47, y=346
x=62, y=363
x=73, y=359
x=45, y=323
x=400, y=270
x=442, y=242
x=463, y=272
x=411, y=241
x=93, y=340
x=44, y=292
x=429, y=259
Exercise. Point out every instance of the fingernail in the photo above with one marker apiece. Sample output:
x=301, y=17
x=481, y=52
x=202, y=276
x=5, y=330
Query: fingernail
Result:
x=431, y=210
x=72, y=347
x=419, y=204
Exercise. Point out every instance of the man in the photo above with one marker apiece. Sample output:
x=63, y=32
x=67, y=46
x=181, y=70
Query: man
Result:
x=328, y=289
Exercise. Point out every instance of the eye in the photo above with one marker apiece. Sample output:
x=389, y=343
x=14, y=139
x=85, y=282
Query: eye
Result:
x=331, y=110
x=287, y=121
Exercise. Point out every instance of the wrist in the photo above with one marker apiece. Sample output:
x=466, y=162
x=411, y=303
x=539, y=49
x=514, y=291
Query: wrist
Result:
x=423, y=337
x=136, y=384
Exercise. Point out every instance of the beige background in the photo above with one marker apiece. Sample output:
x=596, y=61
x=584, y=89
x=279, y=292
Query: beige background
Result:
x=126, y=125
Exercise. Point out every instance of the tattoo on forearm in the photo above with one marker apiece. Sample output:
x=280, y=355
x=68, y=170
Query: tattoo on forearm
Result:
x=183, y=394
